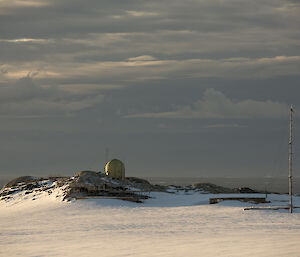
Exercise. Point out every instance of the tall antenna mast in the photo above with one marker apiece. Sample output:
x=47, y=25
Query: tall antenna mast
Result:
x=106, y=154
x=291, y=160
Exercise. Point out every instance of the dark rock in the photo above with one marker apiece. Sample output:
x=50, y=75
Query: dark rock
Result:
x=86, y=173
x=245, y=190
x=159, y=188
x=87, y=183
x=212, y=188
x=138, y=180
x=31, y=186
x=9, y=192
x=54, y=178
x=23, y=179
x=143, y=184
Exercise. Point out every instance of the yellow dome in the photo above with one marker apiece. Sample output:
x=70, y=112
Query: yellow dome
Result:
x=115, y=169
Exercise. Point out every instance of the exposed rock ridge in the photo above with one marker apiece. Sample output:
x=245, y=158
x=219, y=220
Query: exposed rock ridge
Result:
x=96, y=184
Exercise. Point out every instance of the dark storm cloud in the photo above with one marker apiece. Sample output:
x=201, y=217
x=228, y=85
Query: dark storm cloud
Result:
x=71, y=71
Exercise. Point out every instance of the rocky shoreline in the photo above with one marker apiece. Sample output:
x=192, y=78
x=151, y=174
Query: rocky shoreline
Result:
x=86, y=184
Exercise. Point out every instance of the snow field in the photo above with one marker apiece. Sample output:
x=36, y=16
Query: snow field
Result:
x=166, y=225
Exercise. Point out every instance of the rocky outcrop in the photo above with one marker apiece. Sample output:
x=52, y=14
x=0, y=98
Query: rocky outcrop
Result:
x=90, y=183
x=19, y=180
x=138, y=180
x=213, y=189
x=245, y=190
x=27, y=186
x=89, y=173
x=144, y=184
x=95, y=184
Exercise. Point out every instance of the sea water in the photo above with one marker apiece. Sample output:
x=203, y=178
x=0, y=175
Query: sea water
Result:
x=279, y=185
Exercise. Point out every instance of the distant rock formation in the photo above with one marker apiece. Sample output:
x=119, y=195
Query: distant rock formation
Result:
x=86, y=184
x=23, y=179
x=214, y=189
x=246, y=190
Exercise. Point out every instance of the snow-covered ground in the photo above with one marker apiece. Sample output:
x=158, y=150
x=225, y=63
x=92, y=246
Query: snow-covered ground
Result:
x=178, y=224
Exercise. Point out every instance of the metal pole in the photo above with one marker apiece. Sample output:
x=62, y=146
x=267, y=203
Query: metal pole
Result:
x=291, y=160
x=106, y=155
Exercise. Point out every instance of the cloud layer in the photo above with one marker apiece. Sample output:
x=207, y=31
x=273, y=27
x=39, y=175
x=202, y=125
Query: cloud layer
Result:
x=70, y=71
x=135, y=42
x=27, y=98
x=216, y=105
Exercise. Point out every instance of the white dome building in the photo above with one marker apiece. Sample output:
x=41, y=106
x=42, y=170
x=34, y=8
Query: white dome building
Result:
x=115, y=169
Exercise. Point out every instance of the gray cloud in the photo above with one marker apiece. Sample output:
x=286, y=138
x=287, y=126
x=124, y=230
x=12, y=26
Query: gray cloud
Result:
x=204, y=39
x=216, y=105
x=138, y=69
x=27, y=98
x=71, y=70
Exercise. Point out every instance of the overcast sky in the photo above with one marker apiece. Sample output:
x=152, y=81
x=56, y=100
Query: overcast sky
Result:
x=190, y=88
